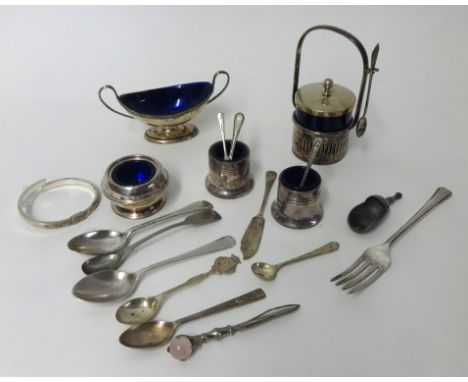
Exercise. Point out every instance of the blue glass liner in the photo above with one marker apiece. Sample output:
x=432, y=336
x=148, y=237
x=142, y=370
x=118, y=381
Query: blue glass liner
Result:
x=169, y=100
x=292, y=176
x=133, y=172
x=323, y=124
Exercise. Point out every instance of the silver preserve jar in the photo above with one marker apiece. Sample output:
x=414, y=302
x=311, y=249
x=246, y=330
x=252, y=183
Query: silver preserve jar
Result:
x=325, y=109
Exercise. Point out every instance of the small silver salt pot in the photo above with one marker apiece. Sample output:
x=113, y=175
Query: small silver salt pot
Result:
x=298, y=203
x=298, y=207
x=229, y=178
x=136, y=186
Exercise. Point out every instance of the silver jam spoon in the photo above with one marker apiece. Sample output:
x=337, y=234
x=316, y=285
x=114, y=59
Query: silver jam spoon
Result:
x=105, y=241
x=113, y=285
x=268, y=272
x=156, y=333
x=143, y=309
x=113, y=261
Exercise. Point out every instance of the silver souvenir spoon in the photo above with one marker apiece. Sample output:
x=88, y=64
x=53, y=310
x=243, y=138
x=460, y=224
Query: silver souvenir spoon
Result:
x=143, y=309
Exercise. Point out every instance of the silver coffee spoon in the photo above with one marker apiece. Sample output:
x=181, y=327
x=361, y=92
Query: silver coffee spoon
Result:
x=104, y=241
x=268, y=272
x=113, y=261
x=112, y=285
x=143, y=309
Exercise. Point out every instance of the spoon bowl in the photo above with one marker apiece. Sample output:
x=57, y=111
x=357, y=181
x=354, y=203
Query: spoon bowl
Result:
x=138, y=310
x=99, y=242
x=105, y=286
x=148, y=334
x=264, y=270
x=109, y=262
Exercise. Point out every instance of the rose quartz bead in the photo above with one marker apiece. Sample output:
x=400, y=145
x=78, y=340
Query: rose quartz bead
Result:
x=180, y=348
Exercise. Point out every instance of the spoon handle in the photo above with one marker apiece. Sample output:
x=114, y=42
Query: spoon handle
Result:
x=189, y=208
x=270, y=177
x=315, y=149
x=238, y=122
x=190, y=282
x=244, y=299
x=327, y=248
x=224, y=242
x=438, y=197
x=154, y=234
x=223, y=135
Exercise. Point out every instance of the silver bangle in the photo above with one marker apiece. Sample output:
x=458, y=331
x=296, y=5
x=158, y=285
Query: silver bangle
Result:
x=30, y=194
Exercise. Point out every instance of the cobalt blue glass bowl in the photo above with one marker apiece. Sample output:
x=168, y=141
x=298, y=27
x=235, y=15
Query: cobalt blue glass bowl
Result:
x=168, y=109
x=136, y=186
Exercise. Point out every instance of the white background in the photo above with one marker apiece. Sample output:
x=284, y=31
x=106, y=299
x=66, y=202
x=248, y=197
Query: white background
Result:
x=412, y=321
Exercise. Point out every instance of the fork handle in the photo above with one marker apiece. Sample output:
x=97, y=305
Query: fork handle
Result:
x=438, y=197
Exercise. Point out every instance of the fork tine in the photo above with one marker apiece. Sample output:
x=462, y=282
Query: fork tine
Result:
x=362, y=276
x=366, y=283
x=349, y=269
x=354, y=273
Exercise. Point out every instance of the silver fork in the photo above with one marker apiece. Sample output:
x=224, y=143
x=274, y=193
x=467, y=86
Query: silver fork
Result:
x=376, y=260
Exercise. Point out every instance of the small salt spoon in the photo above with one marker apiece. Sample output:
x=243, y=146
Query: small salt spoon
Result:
x=315, y=149
x=183, y=346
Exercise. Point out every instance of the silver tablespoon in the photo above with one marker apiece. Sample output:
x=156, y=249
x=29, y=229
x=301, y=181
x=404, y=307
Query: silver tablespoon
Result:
x=104, y=241
x=143, y=309
x=112, y=284
x=115, y=260
x=268, y=272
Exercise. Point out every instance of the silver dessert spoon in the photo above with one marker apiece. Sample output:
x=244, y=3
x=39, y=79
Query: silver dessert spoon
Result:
x=143, y=309
x=113, y=261
x=104, y=241
x=112, y=285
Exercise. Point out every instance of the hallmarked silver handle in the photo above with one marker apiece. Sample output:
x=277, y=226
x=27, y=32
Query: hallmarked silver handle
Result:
x=244, y=299
x=327, y=248
x=438, y=197
x=189, y=208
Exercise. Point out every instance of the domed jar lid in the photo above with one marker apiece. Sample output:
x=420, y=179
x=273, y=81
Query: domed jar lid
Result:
x=325, y=99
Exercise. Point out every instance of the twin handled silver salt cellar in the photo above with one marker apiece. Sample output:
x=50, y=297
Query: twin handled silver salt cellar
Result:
x=325, y=110
x=168, y=110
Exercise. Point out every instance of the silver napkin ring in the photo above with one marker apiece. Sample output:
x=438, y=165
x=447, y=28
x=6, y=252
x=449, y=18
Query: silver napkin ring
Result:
x=30, y=194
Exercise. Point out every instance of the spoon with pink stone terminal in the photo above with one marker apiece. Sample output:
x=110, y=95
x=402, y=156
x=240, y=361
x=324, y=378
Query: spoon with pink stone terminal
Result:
x=183, y=346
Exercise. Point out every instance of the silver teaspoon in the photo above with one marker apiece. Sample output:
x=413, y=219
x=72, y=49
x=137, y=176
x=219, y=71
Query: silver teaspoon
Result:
x=112, y=285
x=115, y=260
x=143, y=309
x=104, y=241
